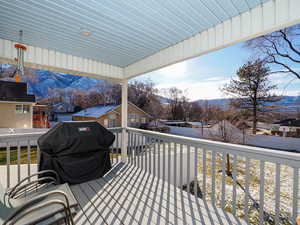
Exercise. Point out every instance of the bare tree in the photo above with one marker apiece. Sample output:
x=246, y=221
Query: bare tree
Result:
x=252, y=88
x=145, y=95
x=280, y=48
x=178, y=104
x=195, y=112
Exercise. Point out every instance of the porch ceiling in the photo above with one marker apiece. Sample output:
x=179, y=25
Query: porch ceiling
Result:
x=131, y=37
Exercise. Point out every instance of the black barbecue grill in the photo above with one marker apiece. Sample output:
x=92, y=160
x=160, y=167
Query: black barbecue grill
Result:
x=77, y=151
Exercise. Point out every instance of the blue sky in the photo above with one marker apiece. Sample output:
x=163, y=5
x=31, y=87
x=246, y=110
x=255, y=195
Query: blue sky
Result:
x=203, y=76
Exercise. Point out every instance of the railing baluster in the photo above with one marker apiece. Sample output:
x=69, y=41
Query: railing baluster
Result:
x=169, y=162
x=38, y=155
x=295, y=193
x=277, y=194
x=188, y=168
x=164, y=161
x=213, y=183
x=223, y=180
x=234, y=177
x=138, y=150
x=28, y=158
x=150, y=160
x=143, y=151
x=175, y=164
x=19, y=160
x=135, y=149
x=113, y=151
x=180, y=166
x=204, y=172
x=117, y=146
x=158, y=158
x=247, y=184
x=8, y=164
x=130, y=147
x=154, y=158
x=146, y=154
x=261, y=191
x=196, y=171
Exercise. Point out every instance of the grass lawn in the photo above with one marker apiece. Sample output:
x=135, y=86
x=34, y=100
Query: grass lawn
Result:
x=23, y=155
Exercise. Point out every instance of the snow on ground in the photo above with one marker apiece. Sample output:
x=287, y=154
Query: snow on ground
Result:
x=274, y=142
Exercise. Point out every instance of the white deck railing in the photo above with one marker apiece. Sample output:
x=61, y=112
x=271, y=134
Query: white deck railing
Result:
x=255, y=183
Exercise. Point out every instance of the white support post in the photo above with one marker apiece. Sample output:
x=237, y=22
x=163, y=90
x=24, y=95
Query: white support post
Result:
x=124, y=120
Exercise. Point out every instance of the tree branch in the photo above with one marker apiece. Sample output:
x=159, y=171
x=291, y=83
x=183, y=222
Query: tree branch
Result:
x=285, y=66
x=289, y=42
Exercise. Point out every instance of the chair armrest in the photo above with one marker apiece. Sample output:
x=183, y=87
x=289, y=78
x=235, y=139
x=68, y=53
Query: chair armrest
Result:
x=11, y=190
x=18, y=190
x=16, y=218
x=28, y=205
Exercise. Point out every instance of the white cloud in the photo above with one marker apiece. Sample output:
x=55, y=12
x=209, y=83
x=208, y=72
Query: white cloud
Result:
x=286, y=92
x=206, y=89
x=177, y=70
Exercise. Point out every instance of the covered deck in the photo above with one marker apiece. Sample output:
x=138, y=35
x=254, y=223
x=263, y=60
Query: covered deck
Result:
x=119, y=40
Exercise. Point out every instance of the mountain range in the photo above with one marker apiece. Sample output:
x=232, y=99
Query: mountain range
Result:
x=41, y=82
x=285, y=104
x=45, y=81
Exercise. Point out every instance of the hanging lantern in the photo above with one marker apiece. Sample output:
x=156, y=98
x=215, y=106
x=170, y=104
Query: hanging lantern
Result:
x=20, y=59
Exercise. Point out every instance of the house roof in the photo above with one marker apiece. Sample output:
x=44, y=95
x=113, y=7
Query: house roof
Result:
x=289, y=123
x=195, y=123
x=15, y=92
x=62, y=107
x=100, y=110
x=96, y=111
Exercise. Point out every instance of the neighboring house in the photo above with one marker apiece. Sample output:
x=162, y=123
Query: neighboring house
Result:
x=15, y=105
x=196, y=124
x=110, y=115
x=287, y=128
x=176, y=123
x=40, y=116
x=62, y=111
x=63, y=107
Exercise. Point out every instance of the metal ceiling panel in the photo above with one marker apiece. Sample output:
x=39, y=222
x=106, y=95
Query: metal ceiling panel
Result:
x=122, y=31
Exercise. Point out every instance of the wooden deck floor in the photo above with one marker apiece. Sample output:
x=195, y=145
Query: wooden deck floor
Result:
x=128, y=195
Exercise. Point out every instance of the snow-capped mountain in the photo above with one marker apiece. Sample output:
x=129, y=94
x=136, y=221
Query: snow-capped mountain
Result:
x=45, y=81
x=285, y=104
x=41, y=82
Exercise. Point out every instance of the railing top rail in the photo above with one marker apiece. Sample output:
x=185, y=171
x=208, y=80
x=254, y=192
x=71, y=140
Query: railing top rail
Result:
x=285, y=157
x=14, y=136
x=4, y=137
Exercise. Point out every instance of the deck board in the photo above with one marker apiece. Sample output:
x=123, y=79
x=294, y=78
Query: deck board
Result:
x=129, y=195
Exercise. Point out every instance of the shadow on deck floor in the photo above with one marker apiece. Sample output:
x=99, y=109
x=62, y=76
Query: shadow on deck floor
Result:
x=129, y=195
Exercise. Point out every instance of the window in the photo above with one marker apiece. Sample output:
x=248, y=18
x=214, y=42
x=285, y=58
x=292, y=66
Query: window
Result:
x=19, y=108
x=106, y=123
x=132, y=118
x=26, y=109
x=112, y=123
x=143, y=120
x=22, y=109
